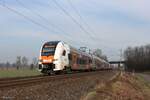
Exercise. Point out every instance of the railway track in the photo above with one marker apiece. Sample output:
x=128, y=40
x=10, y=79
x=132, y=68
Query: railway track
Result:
x=26, y=81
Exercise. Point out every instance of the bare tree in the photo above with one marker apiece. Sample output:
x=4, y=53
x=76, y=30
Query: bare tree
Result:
x=7, y=65
x=137, y=58
x=24, y=61
x=34, y=63
x=18, y=62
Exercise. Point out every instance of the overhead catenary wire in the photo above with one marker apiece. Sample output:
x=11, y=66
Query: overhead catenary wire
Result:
x=82, y=19
x=40, y=16
x=3, y=4
x=73, y=19
x=26, y=17
x=82, y=40
x=30, y=10
x=76, y=22
x=84, y=22
x=45, y=19
x=32, y=21
x=80, y=16
x=66, y=37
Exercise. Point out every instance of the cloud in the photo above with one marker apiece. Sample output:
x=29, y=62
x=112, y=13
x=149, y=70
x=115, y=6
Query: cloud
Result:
x=116, y=24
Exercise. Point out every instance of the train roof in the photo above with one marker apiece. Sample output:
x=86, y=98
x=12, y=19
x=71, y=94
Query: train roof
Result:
x=95, y=57
x=76, y=50
x=52, y=42
x=79, y=51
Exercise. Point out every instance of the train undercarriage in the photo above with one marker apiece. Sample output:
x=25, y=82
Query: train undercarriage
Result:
x=48, y=69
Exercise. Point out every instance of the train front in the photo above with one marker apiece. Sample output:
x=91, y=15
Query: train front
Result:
x=46, y=58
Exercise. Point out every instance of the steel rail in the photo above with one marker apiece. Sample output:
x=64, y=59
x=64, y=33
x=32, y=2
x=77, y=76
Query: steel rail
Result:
x=26, y=81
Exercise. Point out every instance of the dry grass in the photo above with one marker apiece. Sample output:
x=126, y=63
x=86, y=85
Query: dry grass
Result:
x=123, y=87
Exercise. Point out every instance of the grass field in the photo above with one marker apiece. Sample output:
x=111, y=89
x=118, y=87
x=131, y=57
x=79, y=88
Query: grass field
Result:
x=7, y=73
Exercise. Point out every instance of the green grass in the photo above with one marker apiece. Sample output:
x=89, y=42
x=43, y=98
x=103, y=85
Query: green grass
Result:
x=18, y=73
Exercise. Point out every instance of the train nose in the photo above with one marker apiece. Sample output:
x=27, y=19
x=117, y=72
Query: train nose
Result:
x=47, y=59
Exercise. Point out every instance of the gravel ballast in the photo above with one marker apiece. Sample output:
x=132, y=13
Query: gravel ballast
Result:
x=65, y=89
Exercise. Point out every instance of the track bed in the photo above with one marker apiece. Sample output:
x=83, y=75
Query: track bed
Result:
x=66, y=87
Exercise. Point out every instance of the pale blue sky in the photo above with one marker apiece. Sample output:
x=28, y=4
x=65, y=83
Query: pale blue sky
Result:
x=115, y=25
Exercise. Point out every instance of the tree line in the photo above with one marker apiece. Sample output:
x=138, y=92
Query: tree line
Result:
x=21, y=62
x=137, y=58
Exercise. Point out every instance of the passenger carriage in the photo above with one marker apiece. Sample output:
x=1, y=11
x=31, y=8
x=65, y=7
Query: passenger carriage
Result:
x=56, y=56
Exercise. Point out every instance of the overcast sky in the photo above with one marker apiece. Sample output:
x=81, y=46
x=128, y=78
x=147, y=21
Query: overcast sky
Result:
x=109, y=25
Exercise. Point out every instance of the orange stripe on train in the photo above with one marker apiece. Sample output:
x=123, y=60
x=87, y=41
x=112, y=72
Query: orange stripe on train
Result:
x=47, y=59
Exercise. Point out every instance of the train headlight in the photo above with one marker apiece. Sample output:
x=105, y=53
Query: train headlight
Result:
x=50, y=60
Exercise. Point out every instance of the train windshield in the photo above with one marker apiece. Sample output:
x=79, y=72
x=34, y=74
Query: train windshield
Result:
x=49, y=49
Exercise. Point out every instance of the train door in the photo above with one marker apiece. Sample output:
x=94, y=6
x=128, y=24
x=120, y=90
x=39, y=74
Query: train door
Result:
x=74, y=61
x=70, y=59
x=64, y=58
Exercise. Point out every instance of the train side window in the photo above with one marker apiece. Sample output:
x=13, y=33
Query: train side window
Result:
x=64, y=53
x=81, y=61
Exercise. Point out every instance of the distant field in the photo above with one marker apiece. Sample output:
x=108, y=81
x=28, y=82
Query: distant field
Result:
x=4, y=73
